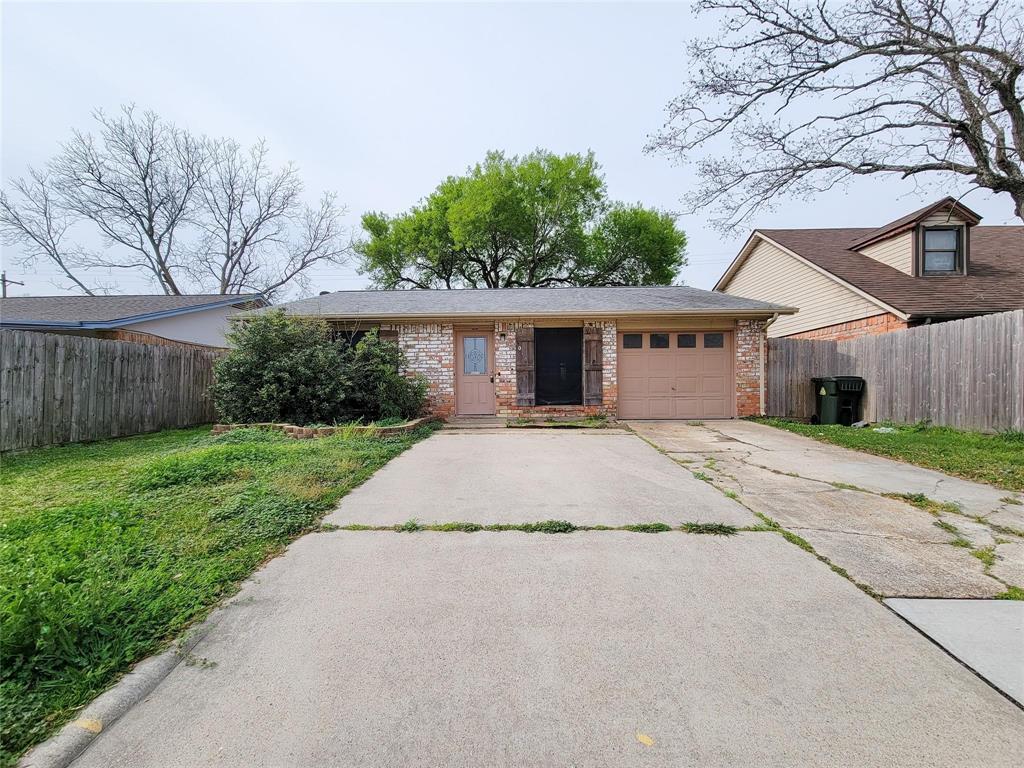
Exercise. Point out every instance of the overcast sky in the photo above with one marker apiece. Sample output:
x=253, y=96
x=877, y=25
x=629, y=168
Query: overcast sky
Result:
x=380, y=102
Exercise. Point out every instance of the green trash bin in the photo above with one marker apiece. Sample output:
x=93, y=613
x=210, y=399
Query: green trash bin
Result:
x=837, y=399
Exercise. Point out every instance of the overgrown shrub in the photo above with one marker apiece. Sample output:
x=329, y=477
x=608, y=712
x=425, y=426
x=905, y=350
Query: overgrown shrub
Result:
x=280, y=369
x=286, y=369
x=376, y=388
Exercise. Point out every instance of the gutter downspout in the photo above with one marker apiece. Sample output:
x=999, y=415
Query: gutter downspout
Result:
x=760, y=378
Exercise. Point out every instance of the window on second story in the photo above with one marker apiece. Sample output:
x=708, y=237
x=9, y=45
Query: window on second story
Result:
x=943, y=251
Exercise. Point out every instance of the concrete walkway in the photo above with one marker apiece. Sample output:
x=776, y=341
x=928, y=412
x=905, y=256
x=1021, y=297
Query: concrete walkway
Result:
x=987, y=635
x=509, y=649
x=833, y=498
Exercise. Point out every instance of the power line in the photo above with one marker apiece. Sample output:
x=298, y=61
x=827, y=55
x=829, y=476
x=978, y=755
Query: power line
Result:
x=6, y=282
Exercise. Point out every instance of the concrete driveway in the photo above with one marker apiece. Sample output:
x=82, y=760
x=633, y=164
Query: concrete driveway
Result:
x=962, y=539
x=603, y=477
x=603, y=648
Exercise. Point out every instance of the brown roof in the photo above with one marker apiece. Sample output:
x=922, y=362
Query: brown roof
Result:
x=994, y=283
x=909, y=221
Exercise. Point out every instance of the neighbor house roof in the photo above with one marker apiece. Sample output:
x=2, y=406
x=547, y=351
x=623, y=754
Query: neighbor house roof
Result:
x=109, y=311
x=911, y=220
x=533, y=302
x=994, y=282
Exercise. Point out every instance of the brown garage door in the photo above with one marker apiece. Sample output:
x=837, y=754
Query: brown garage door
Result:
x=676, y=375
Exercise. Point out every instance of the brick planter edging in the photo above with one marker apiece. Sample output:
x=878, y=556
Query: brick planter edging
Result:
x=305, y=433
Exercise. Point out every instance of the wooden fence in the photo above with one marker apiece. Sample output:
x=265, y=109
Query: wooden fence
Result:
x=966, y=373
x=64, y=389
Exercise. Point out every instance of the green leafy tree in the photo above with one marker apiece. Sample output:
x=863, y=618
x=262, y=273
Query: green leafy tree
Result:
x=532, y=221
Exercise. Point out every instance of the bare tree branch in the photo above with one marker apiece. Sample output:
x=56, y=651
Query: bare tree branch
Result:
x=38, y=224
x=136, y=184
x=792, y=98
x=189, y=213
x=258, y=236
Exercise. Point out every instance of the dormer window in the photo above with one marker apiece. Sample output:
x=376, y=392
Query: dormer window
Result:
x=943, y=251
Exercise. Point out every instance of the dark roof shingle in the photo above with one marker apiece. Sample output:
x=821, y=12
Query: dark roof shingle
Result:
x=524, y=301
x=76, y=310
x=994, y=283
x=911, y=219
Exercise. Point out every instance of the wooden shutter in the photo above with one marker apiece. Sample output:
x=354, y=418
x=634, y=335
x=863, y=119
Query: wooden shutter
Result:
x=526, y=376
x=593, y=356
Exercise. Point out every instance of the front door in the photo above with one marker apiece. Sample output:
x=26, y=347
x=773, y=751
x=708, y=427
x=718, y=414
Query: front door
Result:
x=474, y=373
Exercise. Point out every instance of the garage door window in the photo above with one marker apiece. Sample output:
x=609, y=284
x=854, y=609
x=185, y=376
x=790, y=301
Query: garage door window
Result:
x=686, y=340
x=659, y=341
x=714, y=341
x=632, y=341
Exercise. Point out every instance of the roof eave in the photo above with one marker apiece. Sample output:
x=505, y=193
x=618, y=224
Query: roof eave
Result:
x=40, y=324
x=964, y=212
x=471, y=316
x=737, y=262
x=836, y=279
x=96, y=325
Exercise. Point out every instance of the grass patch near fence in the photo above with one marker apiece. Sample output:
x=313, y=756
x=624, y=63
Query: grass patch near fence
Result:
x=109, y=550
x=994, y=459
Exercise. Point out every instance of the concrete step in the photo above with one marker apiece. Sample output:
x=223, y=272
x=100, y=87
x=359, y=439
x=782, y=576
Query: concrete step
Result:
x=475, y=422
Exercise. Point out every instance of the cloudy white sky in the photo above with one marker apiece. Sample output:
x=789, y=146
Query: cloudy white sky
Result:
x=380, y=102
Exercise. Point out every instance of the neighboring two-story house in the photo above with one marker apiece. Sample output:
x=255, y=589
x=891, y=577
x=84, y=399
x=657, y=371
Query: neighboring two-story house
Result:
x=932, y=265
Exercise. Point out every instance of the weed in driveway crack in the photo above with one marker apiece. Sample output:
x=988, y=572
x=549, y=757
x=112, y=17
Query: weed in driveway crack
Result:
x=987, y=555
x=921, y=501
x=714, y=529
x=958, y=539
x=848, y=487
x=806, y=546
x=647, y=528
x=545, y=526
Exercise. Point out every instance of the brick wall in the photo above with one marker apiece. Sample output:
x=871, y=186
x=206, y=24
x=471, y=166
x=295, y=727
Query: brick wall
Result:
x=505, y=366
x=610, y=362
x=505, y=378
x=429, y=349
x=748, y=336
x=866, y=326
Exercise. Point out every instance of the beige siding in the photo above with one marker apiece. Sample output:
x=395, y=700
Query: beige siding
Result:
x=897, y=252
x=206, y=327
x=943, y=219
x=770, y=274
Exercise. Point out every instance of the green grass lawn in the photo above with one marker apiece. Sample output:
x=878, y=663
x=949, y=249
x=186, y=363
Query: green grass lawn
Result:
x=994, y=459
x=110, y=550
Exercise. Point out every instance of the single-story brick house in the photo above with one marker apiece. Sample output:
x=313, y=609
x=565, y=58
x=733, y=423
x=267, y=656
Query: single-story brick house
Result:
x=667, y=352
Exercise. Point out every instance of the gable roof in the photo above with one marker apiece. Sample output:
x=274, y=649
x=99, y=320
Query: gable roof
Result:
x=534, y=302
x=994, y=283
x=109, y=311
x=911, y=220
